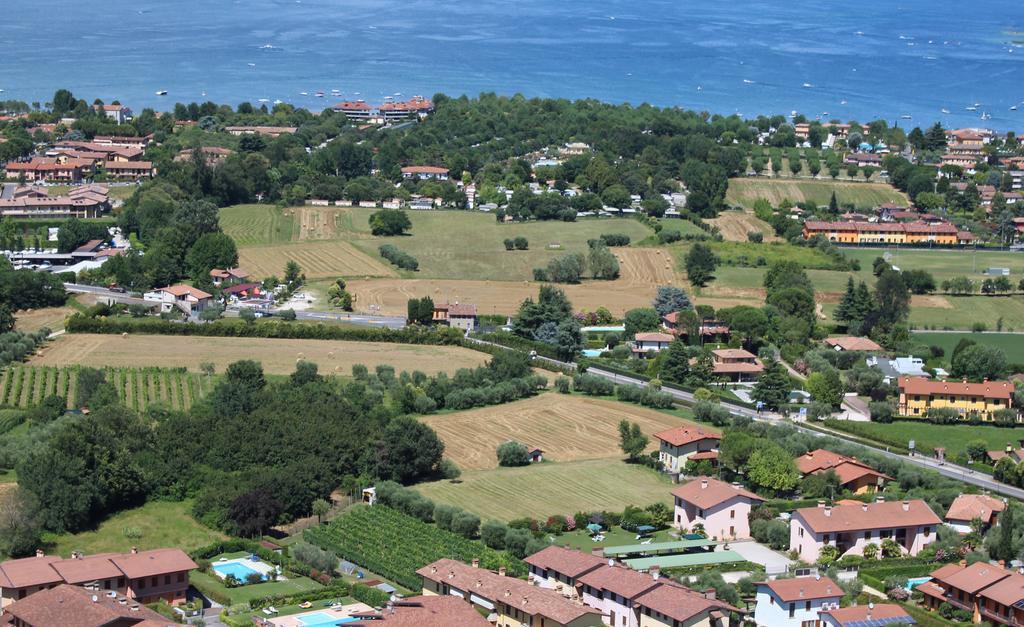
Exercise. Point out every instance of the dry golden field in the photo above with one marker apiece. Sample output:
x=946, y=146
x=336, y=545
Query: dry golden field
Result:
x=567, y=428
x=277, y=356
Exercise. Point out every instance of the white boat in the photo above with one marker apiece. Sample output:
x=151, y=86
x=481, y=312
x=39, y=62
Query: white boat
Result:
x=279, y=101
x=971, y=108
x=859, y=33
x=267, y=47
x=1013, y=108
x=252, y=65
x=842, y=102
x=303, y=93
x=319, y=94
x=808, y=85
x=162, y=92
x=905, y=117
x=748, y=82
x=264, y=100
x=946, y=111
x=986, y=116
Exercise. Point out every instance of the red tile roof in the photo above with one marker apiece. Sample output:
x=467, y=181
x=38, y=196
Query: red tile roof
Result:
x=972, y=578
x=803, y=588
x=846, y=468
x=654, y=337
x=72, y=606
x=679, y=602
x=85, y=569
x=967, y=507
x=705, y=492
x=868, y=516
x=155, y=562
x=29, y=571
x=927, y=387
x=430, y=611
x=889, y=612
x=1007, y=592
x=424, y=169
x=621, y=580
x=680, y=436
x=185, y=290
x=565, y=561
x=850, y=343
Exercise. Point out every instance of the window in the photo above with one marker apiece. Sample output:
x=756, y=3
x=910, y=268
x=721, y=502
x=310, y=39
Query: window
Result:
x=800, y=532
x=155, y=581
x=867, y=535
x=771, y=600
x=792, y=610
x=807, y=606
x=167, y=580
x=825, y=538
x=141, y=584
x=732, y=513
x=927, y=531
x=120, y=582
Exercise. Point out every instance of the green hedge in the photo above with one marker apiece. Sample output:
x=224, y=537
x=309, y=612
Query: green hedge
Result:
x=265, y=329
x=336, y=590
x=208, y=590
x=511, y=340
x=664, y=384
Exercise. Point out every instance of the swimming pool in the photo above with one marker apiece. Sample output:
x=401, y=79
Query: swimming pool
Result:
x=240, y=571
x=323, y=619
x=916, y=581
x=592, y=352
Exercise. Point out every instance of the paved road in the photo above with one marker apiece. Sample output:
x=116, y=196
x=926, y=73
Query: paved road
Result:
x=390, y=322
x=952, y=471
x=117, y=297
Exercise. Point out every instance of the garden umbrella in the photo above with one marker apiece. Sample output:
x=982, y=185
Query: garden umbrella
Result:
x=645, y=529
x=593, y=527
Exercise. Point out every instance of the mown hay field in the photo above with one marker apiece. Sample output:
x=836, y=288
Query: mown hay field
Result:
x=324, y=259
x=566, y=427
x=541, y=490
x=746, y=191
x=278, y=356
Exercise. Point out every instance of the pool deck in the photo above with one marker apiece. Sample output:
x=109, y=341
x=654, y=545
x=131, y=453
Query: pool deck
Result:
x=295, y=620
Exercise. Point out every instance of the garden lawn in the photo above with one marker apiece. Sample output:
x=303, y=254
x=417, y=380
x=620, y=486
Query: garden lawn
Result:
x=953, y=438
x=616, y=536
x=251, y=225
x=158, y=523
x=1010, y=343
x=244, y=594
x=541, y=490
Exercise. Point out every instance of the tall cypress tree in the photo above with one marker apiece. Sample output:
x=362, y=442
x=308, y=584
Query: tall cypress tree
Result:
x=847, y=304
x=676, y=368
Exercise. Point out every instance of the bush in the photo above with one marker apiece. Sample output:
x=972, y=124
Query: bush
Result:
x=521, y=243
x=314, y=557
x=881, y=411
x=399, y=258
x=563, y=385
x=512, y=453
x=667, y=236
x=615, y=239
x=492, y=534
x=592, y=385
x=755, y=237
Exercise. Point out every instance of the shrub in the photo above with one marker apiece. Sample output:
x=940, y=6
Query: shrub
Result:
x=880, y=411
x=512, y=453
x=667, y=236
x=492, y=534
x=399, y=258
x=615, y=239
x=563, y=385
x=592, y=385
x=521, y=243
x=509, y=244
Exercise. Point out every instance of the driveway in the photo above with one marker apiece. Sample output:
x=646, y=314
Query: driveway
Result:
x=774, y=562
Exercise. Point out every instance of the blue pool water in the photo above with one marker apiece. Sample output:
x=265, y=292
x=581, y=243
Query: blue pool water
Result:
x=607, y=329
x=592, y=352
x=859, y=61
x=238, y=569
x=323, y=619
x=916, y=581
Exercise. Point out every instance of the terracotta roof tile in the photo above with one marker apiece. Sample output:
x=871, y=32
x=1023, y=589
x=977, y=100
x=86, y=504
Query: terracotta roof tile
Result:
x=619, y=579
x=565, y=561
x=680, y=436
x=970, y=506
x=927, y=387
x=72, y=606
x=705, y=492
x=973, y=578
x=679, y=602
x=803, y=588
x=856, y=614
x=868, y=516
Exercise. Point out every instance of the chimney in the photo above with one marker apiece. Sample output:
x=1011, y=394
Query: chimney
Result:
x=879, y=499
x=1002, y=563
x=864, y=507
x=828, y=590
x=963, y=563
x=476, y=562
x=703, y=484
x=479, y=582
x=508, y=592
x=710, y=593
x=821, y=503
x=39, y=553
x=801, y=593
x=501, y=571
x=655, y=572
x=526, y=600
x=906, y=506
x=828, y=510
x=871, y=607
x=135, y=550
x=433, y=570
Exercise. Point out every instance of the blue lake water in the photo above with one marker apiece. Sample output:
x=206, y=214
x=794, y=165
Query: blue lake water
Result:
x=910, y=57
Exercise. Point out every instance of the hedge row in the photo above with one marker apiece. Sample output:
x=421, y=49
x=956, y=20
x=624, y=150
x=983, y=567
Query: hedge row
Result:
x=370, y=596
x=265, y=329
x=664, y=384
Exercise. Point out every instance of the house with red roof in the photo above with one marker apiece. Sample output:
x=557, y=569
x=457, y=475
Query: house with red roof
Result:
x=188, y=299
x=456, y=315
x=912, y=524
x=651, y=342
x=73, y=606
x=795, y=602
x=986, y=591
x=120, y=114
x=854, y=476
x=681, y=444
x=557, y=568
x=966, y=508
x=723, y=509
x=230, y=276
x=425, y=172
x=852, y=343
x=149, y=576
x=736, y=364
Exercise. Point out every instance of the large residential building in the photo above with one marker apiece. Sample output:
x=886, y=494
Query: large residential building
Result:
x=912, y=524
x=425, y=172
x=876, y=615
x=681, y=444
x=390, y=111
x=722, y=509
x=854, y=476
x=229, y=276
x=918, y=395
x=943, y=234
x=795, y=602
x=707, y=329
x=424, y=611
x=129, y=170
x=60, y=169
x=148, y=576
x=736, y=364
x=558, y=569
x=73, y=606
x=456, y=315
x=966, y=508
x=513, y=601
x=120, y=114
x=358, y=110
x=986, y=591
x=88, y=201
x=212, y=155
x=124, y=141
x=644, y=342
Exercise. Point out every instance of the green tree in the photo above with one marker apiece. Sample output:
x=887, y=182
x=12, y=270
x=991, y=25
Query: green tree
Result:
x=669, y=299
x=772, y=468
x=845, y=309
x=700, y=264
x=389, y=222
x=292, y=272
x=631, y=440
x=603, y=264
x=772, y=387
x=6, y=318
x=211, y=250
x=676, y=367
x=641, y=320
x=320, y=508
x=512, y=453
x=826, y=387
x=978, y=362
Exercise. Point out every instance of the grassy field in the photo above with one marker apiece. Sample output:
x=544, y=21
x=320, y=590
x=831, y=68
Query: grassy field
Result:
x=31, y=320
x=567, y=428
x=953, y=438
x=1011, y=344
x=154, y=525
x=735, y=225
x=541, y=490
x=244, y=594
x=269, y=236
x=745, y=191
x=138, y=388
x=277, y=356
